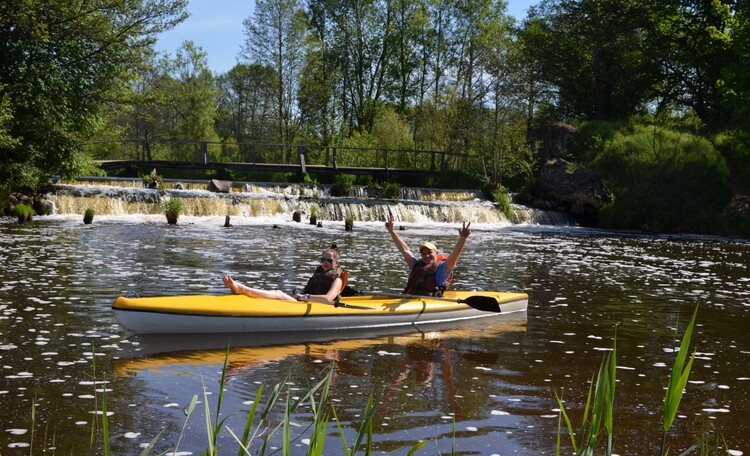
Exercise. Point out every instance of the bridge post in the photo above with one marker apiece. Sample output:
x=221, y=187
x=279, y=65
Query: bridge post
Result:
x=335, y=160
x=301, y=153
x=204, y=152
x=442, y=161
x=432, y=165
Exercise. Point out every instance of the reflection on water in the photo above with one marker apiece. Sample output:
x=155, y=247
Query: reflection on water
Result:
x=60, y=348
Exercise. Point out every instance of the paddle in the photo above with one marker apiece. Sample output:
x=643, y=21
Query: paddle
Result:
x=483, y=303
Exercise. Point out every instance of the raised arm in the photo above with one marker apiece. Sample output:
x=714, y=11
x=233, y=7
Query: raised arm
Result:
x=400, y=244
x=463, y=233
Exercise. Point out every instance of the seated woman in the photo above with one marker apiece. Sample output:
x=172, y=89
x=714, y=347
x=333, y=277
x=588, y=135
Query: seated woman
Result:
x=325, y=284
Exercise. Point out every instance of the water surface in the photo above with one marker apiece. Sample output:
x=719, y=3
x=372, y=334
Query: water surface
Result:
x=492, y=380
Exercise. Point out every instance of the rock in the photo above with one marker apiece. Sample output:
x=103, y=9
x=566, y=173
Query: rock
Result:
x=43, y=206
x=553, y=140
x=178, y=186
x=572, y=186
x=219, y=186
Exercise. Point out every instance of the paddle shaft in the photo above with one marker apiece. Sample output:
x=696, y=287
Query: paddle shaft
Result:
x=479, y=302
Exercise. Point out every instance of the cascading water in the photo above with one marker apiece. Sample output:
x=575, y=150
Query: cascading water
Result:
x=108, y=196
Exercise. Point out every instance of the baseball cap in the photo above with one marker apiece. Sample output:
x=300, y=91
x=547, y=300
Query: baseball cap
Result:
x=428, y=245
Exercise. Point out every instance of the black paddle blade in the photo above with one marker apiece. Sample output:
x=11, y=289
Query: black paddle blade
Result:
x=484, y=303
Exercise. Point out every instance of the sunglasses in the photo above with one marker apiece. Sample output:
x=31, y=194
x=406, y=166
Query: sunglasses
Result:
x=326, y=260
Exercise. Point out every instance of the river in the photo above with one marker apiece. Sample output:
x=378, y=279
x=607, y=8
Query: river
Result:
x=487, y=387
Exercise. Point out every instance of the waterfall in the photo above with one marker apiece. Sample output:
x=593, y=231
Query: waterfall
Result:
x=125, y=196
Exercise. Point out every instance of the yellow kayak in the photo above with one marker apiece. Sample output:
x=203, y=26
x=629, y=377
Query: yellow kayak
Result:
x=229, y=313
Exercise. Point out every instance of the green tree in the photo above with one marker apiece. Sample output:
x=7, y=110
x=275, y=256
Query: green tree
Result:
x=143, y=111
x=59, y=63
x=246, y=103
x=364, y=35
x=693, y=43
x=275, y=39
x=192, y=97
x=317, y=92
x=593, y=52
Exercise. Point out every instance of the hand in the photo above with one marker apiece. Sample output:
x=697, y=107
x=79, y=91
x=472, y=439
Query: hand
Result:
x=465, y=231
x=389, y=224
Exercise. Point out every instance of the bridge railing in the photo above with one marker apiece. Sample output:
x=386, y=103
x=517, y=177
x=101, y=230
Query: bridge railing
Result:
x=282, y=154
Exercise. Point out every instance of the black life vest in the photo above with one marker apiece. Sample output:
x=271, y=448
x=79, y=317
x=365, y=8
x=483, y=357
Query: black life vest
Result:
x=321, y=281
x=422, y=280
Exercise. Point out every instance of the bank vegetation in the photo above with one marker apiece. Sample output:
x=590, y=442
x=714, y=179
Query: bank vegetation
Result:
x=657, y=91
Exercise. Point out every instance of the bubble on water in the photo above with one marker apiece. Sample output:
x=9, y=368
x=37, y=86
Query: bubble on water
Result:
x=735, y=452
x=171, y=405
x=81, y=423
x=17, y=431
x=659, y=365
x=723, y=387
x=385, y=353
x=472, y=428
x=716, y=410
x=18, y=445
x=99, y=412
x=483, y=368
x=499, y=412
x=8, y=347
x=86, y=396
x=556, y=342
x=131, y=435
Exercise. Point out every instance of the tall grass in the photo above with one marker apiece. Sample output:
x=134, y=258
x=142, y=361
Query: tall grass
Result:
x=597, y=425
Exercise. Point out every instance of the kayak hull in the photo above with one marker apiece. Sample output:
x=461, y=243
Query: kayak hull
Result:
x=241, y=314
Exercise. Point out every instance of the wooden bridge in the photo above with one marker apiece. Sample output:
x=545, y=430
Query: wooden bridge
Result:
x=273, y=158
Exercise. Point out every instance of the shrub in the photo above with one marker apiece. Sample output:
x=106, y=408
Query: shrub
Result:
x=663, y=179
x=342, y=184
x=24, y=212
x=172, y=209
x=502, y=200
x=88, y=216
x=152, y=180
x=392, y=190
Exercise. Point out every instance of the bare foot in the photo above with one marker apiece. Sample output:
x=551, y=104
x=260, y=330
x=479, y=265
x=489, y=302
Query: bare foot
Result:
x=231, y=284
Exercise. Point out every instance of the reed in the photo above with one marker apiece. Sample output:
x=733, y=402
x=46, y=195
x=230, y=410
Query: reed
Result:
x=597, y=424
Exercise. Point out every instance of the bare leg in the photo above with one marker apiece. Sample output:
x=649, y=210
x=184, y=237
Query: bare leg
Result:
x=238, y=288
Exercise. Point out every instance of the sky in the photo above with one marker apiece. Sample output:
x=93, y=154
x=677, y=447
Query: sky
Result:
x=216, y=27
